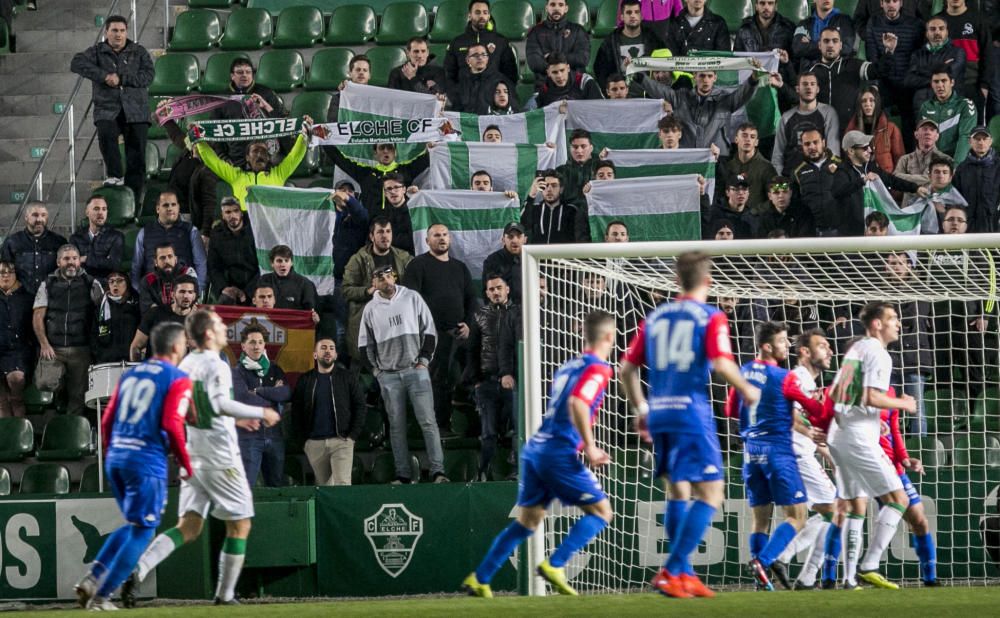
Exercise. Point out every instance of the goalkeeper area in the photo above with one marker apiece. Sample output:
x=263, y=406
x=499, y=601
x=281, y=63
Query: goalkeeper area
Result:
x=944, y=290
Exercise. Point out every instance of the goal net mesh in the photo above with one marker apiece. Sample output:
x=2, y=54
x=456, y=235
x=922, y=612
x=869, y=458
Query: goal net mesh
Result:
x=946, y=358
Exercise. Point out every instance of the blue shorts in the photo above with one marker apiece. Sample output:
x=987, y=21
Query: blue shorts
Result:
x=911, y=491
x=772, y=478
x=141, y=497
x=692, y=457
x=564, y=477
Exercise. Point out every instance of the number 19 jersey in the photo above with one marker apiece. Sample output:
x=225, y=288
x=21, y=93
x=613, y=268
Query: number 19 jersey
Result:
x=678, y=342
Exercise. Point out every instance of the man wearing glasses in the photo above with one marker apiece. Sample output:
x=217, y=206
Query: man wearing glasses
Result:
x=851, y=178
x=397, y=210
x=16, y=342
x=473, y=92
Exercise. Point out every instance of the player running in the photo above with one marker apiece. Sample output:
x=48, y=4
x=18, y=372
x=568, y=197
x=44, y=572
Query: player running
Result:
x=920, y=538
x=220, y=483
x=551, y=466
x=858, y=394
x=680, y=342
x=144, y=419
x=769, y=466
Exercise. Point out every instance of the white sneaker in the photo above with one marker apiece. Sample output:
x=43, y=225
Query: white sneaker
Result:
x=112, y=181
x=100, y=604
x=85, y=589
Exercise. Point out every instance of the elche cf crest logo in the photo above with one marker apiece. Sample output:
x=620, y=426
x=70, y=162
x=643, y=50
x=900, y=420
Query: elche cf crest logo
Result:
x=277, y=336
x=393, y=532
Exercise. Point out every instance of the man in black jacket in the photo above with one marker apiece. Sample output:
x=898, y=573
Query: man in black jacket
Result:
x=551, y=220
x=506, y=261
x=473, y=92
x=232, y=256
x=291, y=290
x=697, y=28
x=33, y=249
x=556, y=34
x=735, y=209
x=805, y=42
x=100, y=246
x=978, y=180
x=121, y=70
x=936, y=50
x=259, y=381
x=628, y=41
x=417, y=74
x=839, y=76
x=490, y=365
x=16, y=341
x=781, y=214
x=328, y=412
x=480, y=30
x=812, y=182
x=765, y=30
x=852, y=176
x=903, y=34
x=912, y=354
x=266, y=102
x=117, y=320
x=156, y=288
x=562, y=84
x=370, y=176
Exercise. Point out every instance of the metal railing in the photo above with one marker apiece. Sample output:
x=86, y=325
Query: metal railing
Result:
x=67, y=122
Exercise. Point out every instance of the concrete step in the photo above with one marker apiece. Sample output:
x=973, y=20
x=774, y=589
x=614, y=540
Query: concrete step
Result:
x=36, y=127
x=35, y=62
x=32, y=104
x=40, y=40
x=20, y=149
x=18, y=174
x=44, y=83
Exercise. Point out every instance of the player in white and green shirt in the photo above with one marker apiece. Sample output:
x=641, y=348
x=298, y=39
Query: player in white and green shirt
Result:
x=858, y=394
x=219, y=484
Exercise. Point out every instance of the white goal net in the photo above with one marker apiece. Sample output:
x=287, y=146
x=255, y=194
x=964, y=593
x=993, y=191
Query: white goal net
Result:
x=943, y=288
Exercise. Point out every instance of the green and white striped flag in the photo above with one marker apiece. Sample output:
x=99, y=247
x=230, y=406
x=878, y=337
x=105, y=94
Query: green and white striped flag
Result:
x=512, y=166
x=654, y=209
x=362, y=102
x=539, y=126
x=303, y=219
x=475, y=221
x=626, y=125
x=661, y=162
x=918, y=215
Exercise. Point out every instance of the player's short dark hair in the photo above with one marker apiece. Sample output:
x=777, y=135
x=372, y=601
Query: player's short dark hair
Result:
x=805, y=338
x=481, y=173
x=767, y=331
x=357, y=59
x=251, y=329
x=164, y=336
x=877, y=218
x=580, y=134
x=379, y=221
x=493, y=127
x=197, y=324
x=184, y=279
x=280, y=251
x=873, y=311
x=958, y=207
x=669, y=123
x=942, y=160
x=692, y=267
x=808, y=127
x=491, y=276
x=556, y=58
x=594, y=324
x=114, y=19
x=611, y=224
x=940, y=68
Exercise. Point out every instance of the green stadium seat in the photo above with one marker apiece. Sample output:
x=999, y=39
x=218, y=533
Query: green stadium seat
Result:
x=846, y=7
x=607, y=18
x=4, y=38
x=995, y=129
x=986, y=411
x=384, y=60
x=217, y=74
x=733, y=11
x=579, y=13
x=945, y=409
x=36, y=401
x=247, y=29
x=90, y=482
x=210, y=4
x=524, y=92
x=977, y=450
x=298, y=26
x=351, y=24
x=315, y=104
x=449, y=20
x=595, y=44
x=384, y=469
x=65, y=438
x=513, y=18
x=121, y=205
x=295, y=470
x=45, y=478
x=436, y=52
x=131, y=232
x=175, y=74
x=17, y=438
x=196, y=30
x=281, y=70
x=795, y=10
x=170, y=159
x=328, y=69
x=4, y=482
x=402, y=21
x=929, y=450
x=309, y=165
x=461, y=466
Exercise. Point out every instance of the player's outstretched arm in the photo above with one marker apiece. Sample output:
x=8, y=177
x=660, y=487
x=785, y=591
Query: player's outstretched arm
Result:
x=880, y=399
x=730, y=372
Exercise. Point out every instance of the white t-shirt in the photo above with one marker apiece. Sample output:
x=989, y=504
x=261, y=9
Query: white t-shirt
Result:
x=802, y=445
x=866, y=365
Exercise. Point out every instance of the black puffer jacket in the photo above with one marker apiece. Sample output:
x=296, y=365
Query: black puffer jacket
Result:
x=70, y=311
x=34, y=257
x=813, y=187
x=564, y=37
x=232, y=258
x=134, y=67
x=103, y=252
x=750, y=38
x=490, y=325
x=609, y=57
x=115, y=329
x=579, y=86
x=501, y=54
x=473, y=93
x=710, y=33
x=913, y=351
x=910, y=34
x=805, y=47
x=978, y=180
x=429, y=79
x=348, y=404
x=15, y=322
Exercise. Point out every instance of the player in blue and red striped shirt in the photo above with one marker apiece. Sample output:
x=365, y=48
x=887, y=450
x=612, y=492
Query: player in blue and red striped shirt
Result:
x=143, y=421
x=680, y=343
x=551, y=465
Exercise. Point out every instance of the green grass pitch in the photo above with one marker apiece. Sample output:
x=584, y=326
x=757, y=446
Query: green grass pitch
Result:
x=940, y=602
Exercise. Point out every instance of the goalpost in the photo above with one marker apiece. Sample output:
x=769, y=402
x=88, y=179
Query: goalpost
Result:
x=944, y=288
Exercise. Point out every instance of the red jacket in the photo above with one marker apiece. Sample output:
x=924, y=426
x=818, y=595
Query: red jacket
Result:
x=887, y=140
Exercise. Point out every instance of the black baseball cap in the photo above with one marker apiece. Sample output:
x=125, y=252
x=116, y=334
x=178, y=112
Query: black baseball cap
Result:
x=513, y=228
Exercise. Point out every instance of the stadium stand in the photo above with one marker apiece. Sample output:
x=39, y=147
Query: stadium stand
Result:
x=298, y=26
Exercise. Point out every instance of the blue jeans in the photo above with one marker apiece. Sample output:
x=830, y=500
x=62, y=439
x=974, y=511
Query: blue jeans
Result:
x=495, y=405
x=415, y=384
x=913, y=384
x=263, y=455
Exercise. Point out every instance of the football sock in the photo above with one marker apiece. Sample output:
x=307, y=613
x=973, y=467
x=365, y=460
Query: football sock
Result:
x=805, y=538
x=161, y=547
x=108, y=551
x=689, y=534
x=807, y=575
x=579, y=535
x=676, y=510
x=831, y=551
x=758, y=540
x=135, y=541
x=230, y=565
x=503, y=546
x=852, y=545
x=927, y=552
x=885, y=527
x=782, y=536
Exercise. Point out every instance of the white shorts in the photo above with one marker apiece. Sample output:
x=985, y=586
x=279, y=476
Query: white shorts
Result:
x=819, y=487
x=863, y=470
x=225, y=491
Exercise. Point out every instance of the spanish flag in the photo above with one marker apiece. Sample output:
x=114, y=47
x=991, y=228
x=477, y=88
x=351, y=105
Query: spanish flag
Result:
x=291, y=335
